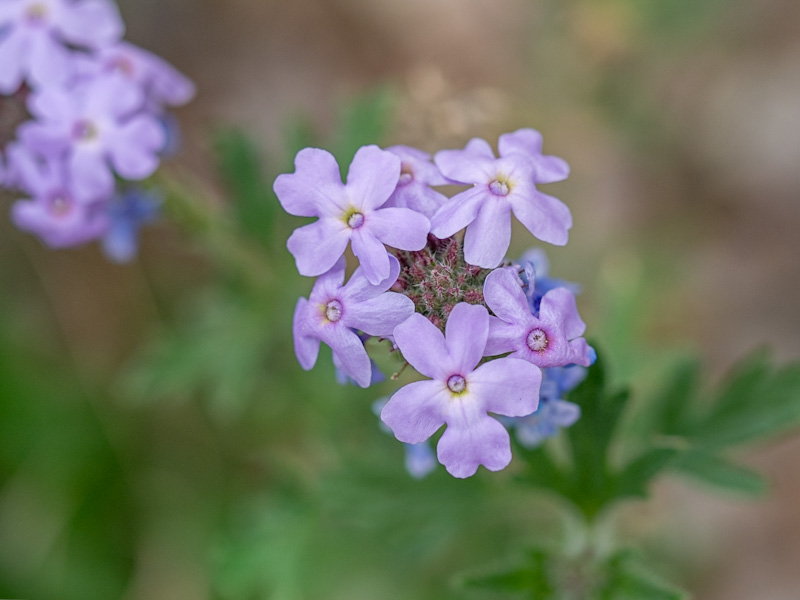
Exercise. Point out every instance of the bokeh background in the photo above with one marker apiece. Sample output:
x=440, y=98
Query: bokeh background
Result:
x=157, y=440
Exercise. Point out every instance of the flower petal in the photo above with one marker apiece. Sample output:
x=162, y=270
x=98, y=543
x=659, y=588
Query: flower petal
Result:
x=13, y=58
x=315, y=188
x=92, y=23
x=327, y=285
x=488, y=237
x=306, y=347
x=465, y=334
x=414, y=412
x=503, y=337
x=371, y=254
x=49, y=62
x=546, y=217
x=484, y=441
x=558, y=306
x=91, y=174
x=316, y=247
x=372, y=177
x=400, y=228
x=504, y=296
x=379, y=316
x=423, y=346
x=457, y=213
x=473, y=164
x=507, y=386
x=350, y=352
x=523, y=141
x=359, y=288
x=134, y=147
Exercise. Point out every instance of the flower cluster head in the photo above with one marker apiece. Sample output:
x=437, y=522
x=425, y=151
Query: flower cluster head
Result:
x=98, y=108
x=492, y=336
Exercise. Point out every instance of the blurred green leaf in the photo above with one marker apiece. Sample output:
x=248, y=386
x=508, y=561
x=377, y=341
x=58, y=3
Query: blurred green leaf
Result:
x=636, y=476
x=627, y=579
x=721, y=473
x=241, y=168
x=530, y=580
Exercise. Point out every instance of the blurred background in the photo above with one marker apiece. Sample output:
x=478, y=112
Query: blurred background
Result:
x=157, y=439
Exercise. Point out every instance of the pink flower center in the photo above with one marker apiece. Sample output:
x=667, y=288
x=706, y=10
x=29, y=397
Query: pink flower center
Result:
x=499, y=187
x=457, y=384
x=406, y=175
x=537, y=340
x=355, y=220
x=333, y=311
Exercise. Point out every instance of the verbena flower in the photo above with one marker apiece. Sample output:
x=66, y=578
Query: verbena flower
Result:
x=552, y=339
x=334, y=312
x=36, y=36
x=459, y=394
x=348, y=213
x=500, y=186
x=55, y=212
x=162, y=83
x=127, y=213
x=417, y=174
x=554, y=413
x=96, y=126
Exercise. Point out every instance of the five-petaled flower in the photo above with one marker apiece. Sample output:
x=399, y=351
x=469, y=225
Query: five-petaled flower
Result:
x=553, y=339
x=334, y=312
x=460, y=393
x=353, y=212
x=501, y=186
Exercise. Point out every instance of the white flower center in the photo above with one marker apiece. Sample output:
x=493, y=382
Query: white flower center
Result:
x=60, y=206
x=500, y=187
x=457, y=384
x=406, y=175
x=537, y=340
x=333, y=311
x=355, y=220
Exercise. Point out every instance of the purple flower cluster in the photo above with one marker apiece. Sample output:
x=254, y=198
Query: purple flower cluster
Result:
x=98, y=108
x=492, y=337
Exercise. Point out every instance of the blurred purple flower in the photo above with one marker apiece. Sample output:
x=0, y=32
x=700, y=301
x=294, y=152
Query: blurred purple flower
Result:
x=98, y=124
x=161, y=82
x=500, y=186
x=552, y=415
x=553, y=339
x=459, y=394
x=127, y=213
x=58, y=215
x=349, y=212
x=417, y=174
x=36, y=36
x=333, y=312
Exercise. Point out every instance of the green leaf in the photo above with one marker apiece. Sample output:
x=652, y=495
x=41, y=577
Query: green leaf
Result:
x=533, y=578
x=671, y=409
x=591, y=436
x=629, y=580
x=240, y=166
x=721, y=473
x=637, y=475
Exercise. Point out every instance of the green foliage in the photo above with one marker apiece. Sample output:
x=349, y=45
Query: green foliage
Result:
x=240, y=165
